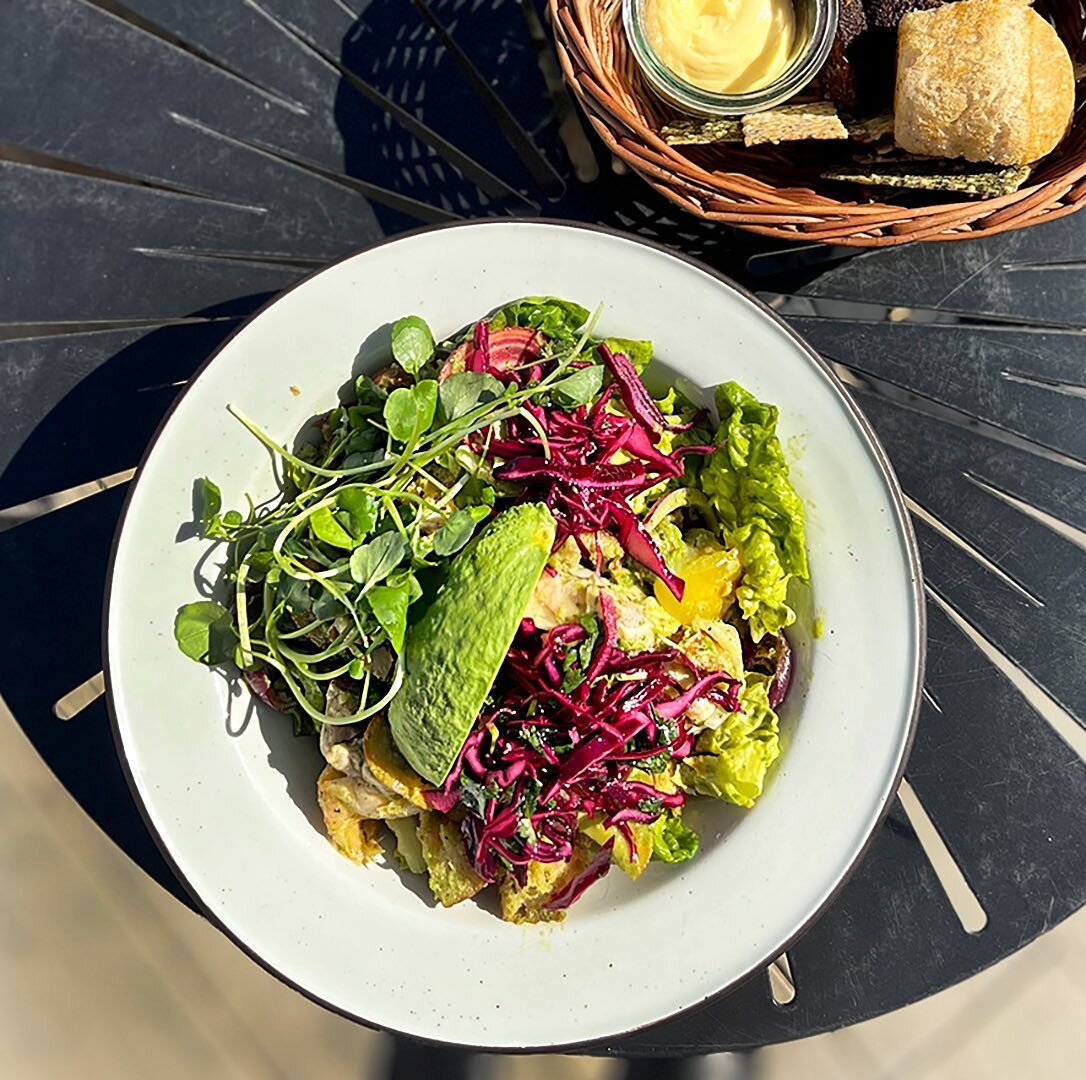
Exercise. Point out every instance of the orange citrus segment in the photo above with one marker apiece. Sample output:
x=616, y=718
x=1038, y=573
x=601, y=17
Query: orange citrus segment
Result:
x=710, y=578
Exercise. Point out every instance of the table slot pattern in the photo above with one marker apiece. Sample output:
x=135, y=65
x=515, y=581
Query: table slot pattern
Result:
x=1030, y=277
x=171, y=164
x=1008, y=802
x=81, y=406
x=967, y=906
x=57, y=567
x=1032, y=609
x=1022, y=381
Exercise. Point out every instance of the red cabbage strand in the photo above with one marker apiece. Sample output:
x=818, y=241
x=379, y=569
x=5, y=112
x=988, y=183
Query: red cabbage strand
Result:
x=559, y=738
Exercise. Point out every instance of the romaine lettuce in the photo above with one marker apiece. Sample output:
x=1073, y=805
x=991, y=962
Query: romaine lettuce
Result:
x=759, y=511
x=672, y=841
x=639, y=353
x=731, y=762
x=557, y=318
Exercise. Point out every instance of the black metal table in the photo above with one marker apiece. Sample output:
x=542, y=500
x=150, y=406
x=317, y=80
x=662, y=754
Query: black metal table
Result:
x=167, y=166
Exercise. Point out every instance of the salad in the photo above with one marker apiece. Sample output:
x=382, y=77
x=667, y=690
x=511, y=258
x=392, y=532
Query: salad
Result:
x=529, y=608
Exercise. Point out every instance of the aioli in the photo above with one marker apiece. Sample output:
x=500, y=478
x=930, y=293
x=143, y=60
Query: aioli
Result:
x=724, y=46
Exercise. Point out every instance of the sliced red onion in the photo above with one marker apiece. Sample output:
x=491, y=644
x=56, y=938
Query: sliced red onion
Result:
x=782, y=676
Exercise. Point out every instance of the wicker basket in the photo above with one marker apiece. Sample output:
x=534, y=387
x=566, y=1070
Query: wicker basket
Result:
x=761, y=189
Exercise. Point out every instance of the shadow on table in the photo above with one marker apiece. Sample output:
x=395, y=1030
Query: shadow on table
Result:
x=58, y=561
x=391, y=49
x=122, y=382
x=415, y=1061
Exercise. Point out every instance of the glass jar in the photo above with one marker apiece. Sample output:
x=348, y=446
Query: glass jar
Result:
x=816, y=25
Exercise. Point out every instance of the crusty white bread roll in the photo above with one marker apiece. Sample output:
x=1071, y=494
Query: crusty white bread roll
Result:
x=987, y=80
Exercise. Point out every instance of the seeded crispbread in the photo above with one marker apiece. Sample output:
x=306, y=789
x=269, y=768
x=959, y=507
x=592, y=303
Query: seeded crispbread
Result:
x=791, y=123
x=966, y=178
x=701, y=132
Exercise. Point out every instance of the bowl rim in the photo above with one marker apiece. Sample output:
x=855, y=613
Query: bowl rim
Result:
x=919, y=641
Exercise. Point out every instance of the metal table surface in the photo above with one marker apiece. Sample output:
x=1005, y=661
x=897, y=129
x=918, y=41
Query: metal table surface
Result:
x=169, y=165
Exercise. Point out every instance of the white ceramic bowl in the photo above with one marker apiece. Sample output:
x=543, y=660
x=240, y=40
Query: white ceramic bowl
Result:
x=230, y=794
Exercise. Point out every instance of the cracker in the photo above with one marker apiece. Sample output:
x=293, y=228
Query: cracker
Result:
x=702, y=132
x=791, y=123
x=872, y=129
x=963, y=177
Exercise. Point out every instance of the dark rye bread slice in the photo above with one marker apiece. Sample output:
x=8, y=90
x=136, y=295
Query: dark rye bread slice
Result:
x=874, y=56
x=965, y=177
x=886, y=14
x=838, y=75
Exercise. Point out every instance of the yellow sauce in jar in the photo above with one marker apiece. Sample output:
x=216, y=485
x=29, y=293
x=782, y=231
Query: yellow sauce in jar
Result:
x=724, y=46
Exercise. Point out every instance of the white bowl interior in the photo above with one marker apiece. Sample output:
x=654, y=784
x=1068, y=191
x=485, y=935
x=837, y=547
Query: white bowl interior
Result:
x=231, y=794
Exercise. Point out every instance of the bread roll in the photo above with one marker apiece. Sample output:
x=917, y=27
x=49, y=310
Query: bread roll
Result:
x=987, y=80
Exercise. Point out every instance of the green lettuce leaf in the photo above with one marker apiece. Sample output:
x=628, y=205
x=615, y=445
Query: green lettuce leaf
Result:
x=672, y=841
x=759, y=511
x=408, y=850
x=639, y=353
x=557, y=318
x=205, y=632
x=731, y=762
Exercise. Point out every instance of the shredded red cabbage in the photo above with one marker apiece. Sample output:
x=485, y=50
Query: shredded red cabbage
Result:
x=564, y=726
x=564, y=457
x=571, y=714
x=597, y=867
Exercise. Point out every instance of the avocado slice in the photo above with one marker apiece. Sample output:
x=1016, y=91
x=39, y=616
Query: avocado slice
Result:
x=453, y=653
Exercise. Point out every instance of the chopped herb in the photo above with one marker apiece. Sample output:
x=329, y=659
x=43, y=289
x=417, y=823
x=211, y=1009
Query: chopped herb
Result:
x=656, y=764
x=475, y=795
x=578, y=659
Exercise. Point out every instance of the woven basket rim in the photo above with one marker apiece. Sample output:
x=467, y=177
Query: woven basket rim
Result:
x=588, y=34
